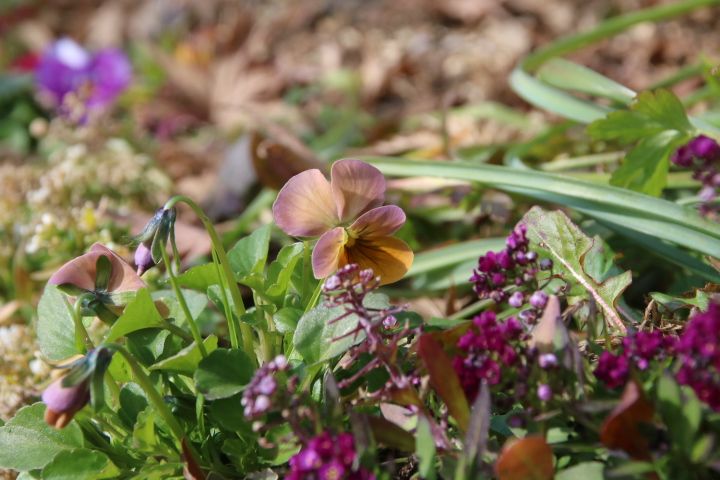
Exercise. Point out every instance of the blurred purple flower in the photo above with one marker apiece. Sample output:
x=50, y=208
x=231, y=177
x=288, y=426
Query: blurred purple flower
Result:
x=612, y=369
x=698, y=353
x=98, y=78
x=702, y=154
x=327, y=457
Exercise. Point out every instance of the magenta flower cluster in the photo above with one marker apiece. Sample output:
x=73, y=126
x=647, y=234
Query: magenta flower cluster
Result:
x=515, y=267
x=488, y=347
x=698, y=354
x=327, y=457
x=258, y=396
x=702, y=154
x=638, y=351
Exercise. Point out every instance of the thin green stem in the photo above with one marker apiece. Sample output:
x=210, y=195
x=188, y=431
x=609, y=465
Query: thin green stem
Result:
x=234, y=334
x=183, y=304
x=315, y=296
x=82, y=337
x=247, y=333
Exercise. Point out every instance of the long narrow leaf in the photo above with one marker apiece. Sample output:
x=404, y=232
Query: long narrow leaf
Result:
x=672, y=222
x=451, y=255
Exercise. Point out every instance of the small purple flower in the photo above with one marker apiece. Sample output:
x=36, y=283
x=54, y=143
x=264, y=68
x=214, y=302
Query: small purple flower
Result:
x=704, y=147
x=547, y=360
x=699, y=356
x=327, y=457
x=702, y=155
x=516, y=300
x=258, y=395
x=544, y=392
x=539, y=299
x=98, y=79
x=612, y=369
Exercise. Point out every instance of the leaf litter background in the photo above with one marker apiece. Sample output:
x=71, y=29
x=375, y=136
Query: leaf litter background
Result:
x=340, y=77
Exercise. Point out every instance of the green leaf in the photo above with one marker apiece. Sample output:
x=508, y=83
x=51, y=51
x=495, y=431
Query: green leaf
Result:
x=281, y=270
x=586, y=471
x=186, y=360
x=681, y=418
x=250, y=253
x=199, y=277
x=286, y=319
x=651, y=114
x=425, y=449
x=317, y=337
x=567, y=75
x=55, y=326
x=223, y=373
x=196, y=302
x=132, y=402
x=615, y=206
x=139, y=314
x=645, y=168
x=701, y=300
x=568, y=245
x=27, y=442
x=80, y=464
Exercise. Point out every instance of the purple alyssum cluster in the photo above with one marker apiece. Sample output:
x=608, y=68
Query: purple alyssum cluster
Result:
x=515, y=267
x=258, y=396
x=702, y=155
x=698, y=354
x=327, y=457
x=487, y=349
x=638, y=351
x=96, y=78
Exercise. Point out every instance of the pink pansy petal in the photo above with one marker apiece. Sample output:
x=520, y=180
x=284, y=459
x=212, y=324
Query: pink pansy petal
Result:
x=305, y=207
x=357, y=187
x=329, y=251
x=79, y=272
x=123, y=277
x=378, y=222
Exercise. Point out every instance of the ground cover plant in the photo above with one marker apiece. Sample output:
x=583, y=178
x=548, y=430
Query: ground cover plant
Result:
x=537, y=309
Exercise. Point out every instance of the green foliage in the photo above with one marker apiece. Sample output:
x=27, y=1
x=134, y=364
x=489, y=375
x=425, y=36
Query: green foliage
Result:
x=55, y=326
x=223, y=373
x=28, y=443
x=568, y=246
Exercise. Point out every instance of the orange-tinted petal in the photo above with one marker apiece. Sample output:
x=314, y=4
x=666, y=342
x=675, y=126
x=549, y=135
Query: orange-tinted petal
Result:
x=356, y=187
x=305, y=206
x=378, y=222
x=389, y=257
x=328, y=253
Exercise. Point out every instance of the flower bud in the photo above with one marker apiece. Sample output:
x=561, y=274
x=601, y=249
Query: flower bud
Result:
x=143, y=259
x=516, y=300
x=546, y=264
x=64, y=402
x=538, y=299
x=544, y=392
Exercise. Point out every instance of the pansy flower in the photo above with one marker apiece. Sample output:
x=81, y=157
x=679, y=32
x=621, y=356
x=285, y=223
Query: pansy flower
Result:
x=67, y=67
x=347, y=215
x=100, y=272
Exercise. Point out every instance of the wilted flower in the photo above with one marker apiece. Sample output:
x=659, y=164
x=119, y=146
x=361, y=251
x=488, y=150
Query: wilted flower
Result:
x=64, y=402
x=347, y=215
x=69, y=394
x=327, y=457
x=698, y=353
x=101, y=272
x=97, y=79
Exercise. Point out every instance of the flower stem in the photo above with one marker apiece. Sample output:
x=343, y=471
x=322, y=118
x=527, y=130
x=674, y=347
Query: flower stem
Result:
x=82, y=337
x=183, y=304
x=154, y=397
x=243, y=328
x=315, y=297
